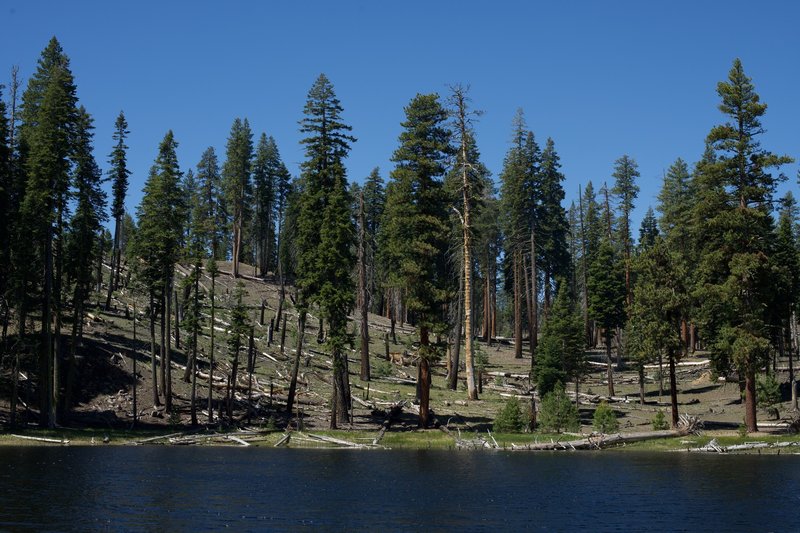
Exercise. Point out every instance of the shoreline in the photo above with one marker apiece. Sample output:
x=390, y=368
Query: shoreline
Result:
x=714, y=442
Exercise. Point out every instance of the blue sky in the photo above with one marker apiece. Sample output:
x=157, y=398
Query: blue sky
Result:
x=601, y=78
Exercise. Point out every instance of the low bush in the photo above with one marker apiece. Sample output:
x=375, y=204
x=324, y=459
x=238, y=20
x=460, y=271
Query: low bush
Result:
x=605, y=419
x=557, y=412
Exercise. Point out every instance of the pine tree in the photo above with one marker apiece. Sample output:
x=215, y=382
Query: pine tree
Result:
x=734, y=227
x=46, y=144
x=416, y=227
x=6, y=184
x=264, y=178
x=516, y=208
x=237, y=185
x=551, y=219
x=660, y=308
x=119, y=174
x=161, y=215
x=325, y=232
x=625, y=190
x=237, y=333
x=470, y=176
x=212, y=204
x=85, y=226
x=560, y=353
x=648, y=231
x=374, y=202
x=786, y=265
x=607, y=298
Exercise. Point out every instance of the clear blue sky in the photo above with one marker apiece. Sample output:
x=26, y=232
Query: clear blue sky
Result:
x=601, y=78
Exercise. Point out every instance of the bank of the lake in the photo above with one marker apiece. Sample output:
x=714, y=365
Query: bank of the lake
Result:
x=403, y=440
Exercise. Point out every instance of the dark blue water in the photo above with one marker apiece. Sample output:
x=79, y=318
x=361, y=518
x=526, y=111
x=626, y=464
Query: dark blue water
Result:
x=212, y=489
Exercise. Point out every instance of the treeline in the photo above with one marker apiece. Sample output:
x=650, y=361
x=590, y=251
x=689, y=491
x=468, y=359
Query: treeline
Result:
x=435, y=246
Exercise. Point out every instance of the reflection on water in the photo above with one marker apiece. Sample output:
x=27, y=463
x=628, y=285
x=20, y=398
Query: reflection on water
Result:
x=188, y=489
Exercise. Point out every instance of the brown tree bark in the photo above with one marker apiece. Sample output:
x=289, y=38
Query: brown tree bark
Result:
x=363, y=291
x=673, y=390
x=424, y=378
x=301, y=327
x=517, y=305
x=750, y=419
x=534, y=340
x=211, y=353
x=154, y=374
x=609, y=372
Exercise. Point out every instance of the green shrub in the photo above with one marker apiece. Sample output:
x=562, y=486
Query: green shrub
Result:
x=382, y=368
x=660, y=421
x=605, y=419
x=557, y=412
x=510, y=419
x=768, y=392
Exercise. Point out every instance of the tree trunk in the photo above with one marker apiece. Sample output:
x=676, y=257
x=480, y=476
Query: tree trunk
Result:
x=673, y=390
x=641, y=383
x=162, y=349
x=46, y=348
x=339, y=395
x=167, y=347
x=154, y=374
x=534, y=341
x=135, y=377
x=424, y=378
x=177, y=321
x=609, y=372
x=792, y=348
x=750, y=420
x=363, y=291
x=211, y=354
x=251, y=363
x=517, y=305
x=237, y=244
x=455, y=352
x=114, y=252
x=301, y=327
x=283, y=336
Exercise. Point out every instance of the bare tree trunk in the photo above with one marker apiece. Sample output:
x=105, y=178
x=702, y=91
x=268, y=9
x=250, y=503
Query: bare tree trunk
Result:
x=463, y=122
x=46, y=348
x=251, y=363
x=135, y=377
x=363, y=292
x=534, y=340
x=237, y=245
x=167, y=346
x=211, y=353
x=455, y=352
x=156, y=401
x=177, y=321
x=517, y=305
x=609, y=372
x=162, y=349
x=750, y=419
x=673, y=390
x=792, y=347
x=114, y=252
x=424, y=378
x=301, y=327
x=641, y=383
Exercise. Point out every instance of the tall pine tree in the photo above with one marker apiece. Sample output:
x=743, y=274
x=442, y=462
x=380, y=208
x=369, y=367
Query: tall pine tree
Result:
x=416, y=228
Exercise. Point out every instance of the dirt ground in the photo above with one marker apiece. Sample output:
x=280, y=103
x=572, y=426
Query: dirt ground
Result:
x=107, y=358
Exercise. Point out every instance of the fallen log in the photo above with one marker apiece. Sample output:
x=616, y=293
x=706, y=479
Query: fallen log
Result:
x=284, y=440
x=686, y=426
x=42, y=439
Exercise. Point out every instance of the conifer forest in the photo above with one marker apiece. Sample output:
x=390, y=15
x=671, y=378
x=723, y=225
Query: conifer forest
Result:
x=432, y=294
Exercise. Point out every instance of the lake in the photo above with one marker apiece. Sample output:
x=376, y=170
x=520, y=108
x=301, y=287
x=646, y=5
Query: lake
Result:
x=161, y=488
